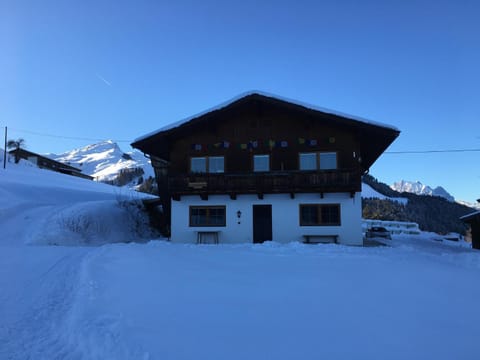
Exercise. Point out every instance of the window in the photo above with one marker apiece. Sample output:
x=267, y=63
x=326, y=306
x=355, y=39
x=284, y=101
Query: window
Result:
x=308, y=161
x=318, y=161
x=261, y=162
x=198, y=164
x=328, y=160
x=320, y=215
x=214, y=164
x=207, y=216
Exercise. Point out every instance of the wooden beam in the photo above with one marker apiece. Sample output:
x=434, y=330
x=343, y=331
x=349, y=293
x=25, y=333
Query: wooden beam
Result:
x=292, y=195
x=233, y=196
x=204, y=197
x=260, y=196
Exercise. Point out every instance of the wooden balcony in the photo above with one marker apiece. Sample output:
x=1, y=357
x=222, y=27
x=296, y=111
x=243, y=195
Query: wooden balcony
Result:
x=289, y=182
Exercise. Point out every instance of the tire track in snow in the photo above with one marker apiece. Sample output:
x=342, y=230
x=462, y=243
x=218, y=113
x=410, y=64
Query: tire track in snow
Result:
x=96, y=332
x=43, y=303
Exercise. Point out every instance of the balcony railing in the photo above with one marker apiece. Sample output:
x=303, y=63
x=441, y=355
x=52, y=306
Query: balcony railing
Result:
x=266, y=182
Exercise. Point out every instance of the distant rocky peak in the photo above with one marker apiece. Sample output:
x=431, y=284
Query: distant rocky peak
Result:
x=416, y=187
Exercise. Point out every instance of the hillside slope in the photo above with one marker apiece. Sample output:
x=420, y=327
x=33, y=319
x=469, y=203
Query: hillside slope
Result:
x=432, y=213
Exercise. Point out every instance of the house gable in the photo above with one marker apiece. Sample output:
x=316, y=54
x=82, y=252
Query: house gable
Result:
x=262, y=118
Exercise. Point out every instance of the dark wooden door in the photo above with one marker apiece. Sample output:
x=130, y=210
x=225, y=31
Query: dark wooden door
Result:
x=262, y=223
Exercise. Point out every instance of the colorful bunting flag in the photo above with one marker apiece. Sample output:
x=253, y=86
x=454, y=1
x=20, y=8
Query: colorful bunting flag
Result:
x=252, y=144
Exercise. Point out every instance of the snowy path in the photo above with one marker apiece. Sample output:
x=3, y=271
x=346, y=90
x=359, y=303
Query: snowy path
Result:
x=39, y=285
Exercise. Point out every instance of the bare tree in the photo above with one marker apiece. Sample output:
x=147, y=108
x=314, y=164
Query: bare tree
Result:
x=15, y=145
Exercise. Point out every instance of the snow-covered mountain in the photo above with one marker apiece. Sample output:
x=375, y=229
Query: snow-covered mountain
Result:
x=418, y=188
x=470, y=204
x=106, y=162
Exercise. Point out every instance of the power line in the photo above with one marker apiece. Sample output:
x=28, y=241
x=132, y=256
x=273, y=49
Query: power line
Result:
x=431, y=151
x=129, y=141
x=66, y=137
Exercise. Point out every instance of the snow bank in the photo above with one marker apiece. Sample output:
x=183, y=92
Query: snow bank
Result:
x=93, y=223
x=395, y=227
x=44, y=207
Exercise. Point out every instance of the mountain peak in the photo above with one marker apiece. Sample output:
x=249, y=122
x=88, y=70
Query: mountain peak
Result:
x=416, y=187
x=104, y=160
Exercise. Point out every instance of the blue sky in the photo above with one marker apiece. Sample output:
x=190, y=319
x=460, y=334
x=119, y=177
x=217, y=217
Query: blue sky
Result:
x=120, y=69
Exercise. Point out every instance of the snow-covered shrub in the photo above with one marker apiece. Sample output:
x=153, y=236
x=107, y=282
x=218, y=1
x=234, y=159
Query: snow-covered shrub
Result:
x=137, y=217
x=86, y=226
x=96, y=223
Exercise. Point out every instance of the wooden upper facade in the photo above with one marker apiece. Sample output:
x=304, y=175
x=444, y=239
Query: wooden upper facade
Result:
x=259, y=144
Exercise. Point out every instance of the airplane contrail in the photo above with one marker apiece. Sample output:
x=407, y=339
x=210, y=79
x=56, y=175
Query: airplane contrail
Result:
x=104, y=80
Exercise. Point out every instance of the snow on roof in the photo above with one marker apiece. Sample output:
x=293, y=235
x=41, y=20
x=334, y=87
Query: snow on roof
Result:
x=262, y=93
x=468, y=216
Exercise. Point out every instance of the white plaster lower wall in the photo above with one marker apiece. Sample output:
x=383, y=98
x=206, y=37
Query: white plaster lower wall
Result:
x=285, y=218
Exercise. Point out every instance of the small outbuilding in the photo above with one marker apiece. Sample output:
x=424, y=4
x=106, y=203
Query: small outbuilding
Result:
x=473, y=220
x=44, y=162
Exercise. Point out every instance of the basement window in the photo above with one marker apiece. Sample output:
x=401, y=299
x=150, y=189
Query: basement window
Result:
x=207, y=216
x=320, y=215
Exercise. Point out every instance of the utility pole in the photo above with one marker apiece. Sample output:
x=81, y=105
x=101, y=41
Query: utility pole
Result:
x=5, y=150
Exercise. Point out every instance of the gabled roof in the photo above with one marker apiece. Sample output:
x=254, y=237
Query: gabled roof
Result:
x=376, y=137
x=58, y=164
x=264, y=95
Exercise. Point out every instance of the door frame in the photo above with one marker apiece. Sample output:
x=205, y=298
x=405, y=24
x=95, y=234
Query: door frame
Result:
x=262, y=229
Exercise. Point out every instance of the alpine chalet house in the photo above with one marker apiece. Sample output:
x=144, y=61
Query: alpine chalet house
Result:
x=262, y=168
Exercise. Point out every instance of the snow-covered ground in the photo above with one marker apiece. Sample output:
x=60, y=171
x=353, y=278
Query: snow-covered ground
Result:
x=415, y=299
